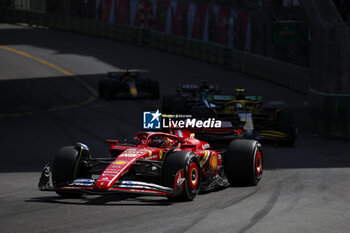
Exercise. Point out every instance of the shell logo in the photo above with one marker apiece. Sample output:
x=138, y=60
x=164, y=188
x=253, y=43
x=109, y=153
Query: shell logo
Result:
x=213, y=162
x=120, y=162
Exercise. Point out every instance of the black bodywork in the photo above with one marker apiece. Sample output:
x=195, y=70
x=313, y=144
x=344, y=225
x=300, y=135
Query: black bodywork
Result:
x=127, y=84
x=188, y=97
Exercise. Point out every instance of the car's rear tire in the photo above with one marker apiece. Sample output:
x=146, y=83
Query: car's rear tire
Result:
x=286, y=123
x=66, y=167
x=244, y=162
x=189, y=163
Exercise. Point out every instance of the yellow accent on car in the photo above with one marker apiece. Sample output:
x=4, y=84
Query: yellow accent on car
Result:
x=213, y=162
x=231, y=107
x=205, y=157
x=240, y=90
x=133, y=91
x=120, y=162
x=272, y=133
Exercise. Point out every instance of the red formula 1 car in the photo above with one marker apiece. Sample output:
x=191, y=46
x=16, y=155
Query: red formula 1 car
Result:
x=174, y=165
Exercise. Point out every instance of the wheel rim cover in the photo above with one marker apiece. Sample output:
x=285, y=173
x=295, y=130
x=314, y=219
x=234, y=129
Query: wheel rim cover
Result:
x=193, y=175
x=258, y=163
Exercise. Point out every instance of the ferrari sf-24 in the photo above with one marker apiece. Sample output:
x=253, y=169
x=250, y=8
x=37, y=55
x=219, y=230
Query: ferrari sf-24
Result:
x=175, y=165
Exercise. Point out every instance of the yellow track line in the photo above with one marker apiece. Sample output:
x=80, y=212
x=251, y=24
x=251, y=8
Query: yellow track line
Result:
x=53, y=109
x=37, y=59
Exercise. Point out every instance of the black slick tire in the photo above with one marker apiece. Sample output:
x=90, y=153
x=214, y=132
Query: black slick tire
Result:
x=244, y=162
x=66, y=167
x=189, y=163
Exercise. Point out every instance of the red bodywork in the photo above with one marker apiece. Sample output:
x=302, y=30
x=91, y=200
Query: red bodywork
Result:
x=126, y=155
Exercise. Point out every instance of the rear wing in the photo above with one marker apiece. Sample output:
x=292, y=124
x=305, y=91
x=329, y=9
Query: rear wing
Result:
x=117, y=74
x=196, y=87
x=224, y=98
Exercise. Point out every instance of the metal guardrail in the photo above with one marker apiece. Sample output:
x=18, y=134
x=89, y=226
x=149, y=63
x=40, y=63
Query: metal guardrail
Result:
x=330, y=114
x=332, y=124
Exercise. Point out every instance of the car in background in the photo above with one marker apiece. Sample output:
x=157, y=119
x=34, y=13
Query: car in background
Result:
x=188, y=96
x=127, y=84
x=248, y=114
x=243, y=115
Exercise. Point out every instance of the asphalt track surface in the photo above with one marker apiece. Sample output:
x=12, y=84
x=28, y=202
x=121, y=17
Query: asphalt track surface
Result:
x=305, y=188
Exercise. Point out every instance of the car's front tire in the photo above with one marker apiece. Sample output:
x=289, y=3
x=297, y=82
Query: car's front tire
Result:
x=67, y=166
x=188, y=163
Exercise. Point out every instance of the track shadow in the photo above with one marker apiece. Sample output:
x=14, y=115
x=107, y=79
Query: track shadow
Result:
x=19, y=96
x=40, y=115
x=105, y=200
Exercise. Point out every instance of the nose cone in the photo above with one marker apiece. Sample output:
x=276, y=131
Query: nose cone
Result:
x=102, y=185
x=112, y=173
x=119, y=166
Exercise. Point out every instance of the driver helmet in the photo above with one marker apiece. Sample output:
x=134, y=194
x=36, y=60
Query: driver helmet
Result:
x=166, y=142
x=157, y=142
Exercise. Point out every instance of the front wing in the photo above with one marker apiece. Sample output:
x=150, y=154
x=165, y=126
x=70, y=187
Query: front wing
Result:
x=137, y=187
x=88, y=186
